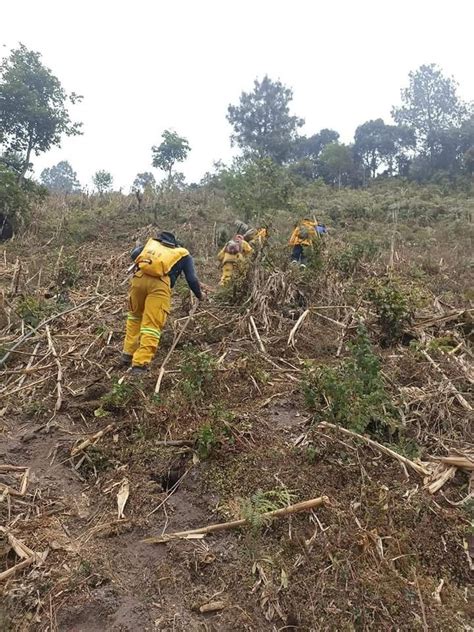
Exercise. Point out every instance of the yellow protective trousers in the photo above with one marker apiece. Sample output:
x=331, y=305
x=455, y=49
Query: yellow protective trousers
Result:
x=149, y=303
x=228, y=271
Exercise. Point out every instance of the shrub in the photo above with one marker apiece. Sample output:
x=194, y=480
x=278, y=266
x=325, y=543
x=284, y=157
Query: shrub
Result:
x=395, y=304
x=354, y=391
x=197, y=369
x=349, y=260
x=253, y=508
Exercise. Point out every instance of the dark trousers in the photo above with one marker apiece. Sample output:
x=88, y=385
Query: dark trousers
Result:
x=297, y=254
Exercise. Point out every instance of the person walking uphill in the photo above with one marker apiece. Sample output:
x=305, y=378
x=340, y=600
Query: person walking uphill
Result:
x=157, y=267
x=233, y=259
x=301, y=238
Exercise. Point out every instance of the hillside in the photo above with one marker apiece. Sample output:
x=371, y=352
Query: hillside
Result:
x=268, y=400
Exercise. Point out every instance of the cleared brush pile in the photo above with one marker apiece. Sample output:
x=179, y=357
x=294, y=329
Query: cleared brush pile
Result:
x=351, y=379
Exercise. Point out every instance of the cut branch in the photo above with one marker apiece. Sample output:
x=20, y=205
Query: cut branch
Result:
x=173, y=347
x=223, y=526
x=402, y=459
x=59, y=378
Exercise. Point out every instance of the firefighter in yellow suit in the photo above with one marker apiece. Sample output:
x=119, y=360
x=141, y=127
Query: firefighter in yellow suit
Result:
x=233, y=258
x=303, y=236
x=157, y=267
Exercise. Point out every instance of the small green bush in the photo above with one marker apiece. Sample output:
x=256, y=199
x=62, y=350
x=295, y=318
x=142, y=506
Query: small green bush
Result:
x=253, y=508
x=395, y=304
x=198, y=370
x=349, y=260
x=353, y=391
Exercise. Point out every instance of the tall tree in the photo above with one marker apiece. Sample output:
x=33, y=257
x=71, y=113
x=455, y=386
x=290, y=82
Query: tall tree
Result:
x=173, y=149
x=60, y=178
x=311, y=146
x=336, y=163
x=103, y=181
x=377, y=143
x=430, y=106
x=263, y=125
x=33, y=107
x=143, y=181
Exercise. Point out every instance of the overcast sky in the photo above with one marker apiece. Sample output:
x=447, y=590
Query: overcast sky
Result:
x=148, y=65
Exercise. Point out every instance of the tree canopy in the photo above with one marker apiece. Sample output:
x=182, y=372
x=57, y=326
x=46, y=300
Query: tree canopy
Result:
x=103, y=181
x=33, y=107
x=60, y=178
x=431, y=107
x=173, y=149
x=263, y=125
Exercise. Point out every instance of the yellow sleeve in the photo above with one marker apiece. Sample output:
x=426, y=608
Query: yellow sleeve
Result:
x=221, y=254
x=246, y=248
x=294, y=237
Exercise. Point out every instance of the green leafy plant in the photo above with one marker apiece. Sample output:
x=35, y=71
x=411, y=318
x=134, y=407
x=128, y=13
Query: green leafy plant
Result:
x=348, y=260
x=33, y=310
x=352, y=394
x=253, y=509
x=395, y=304
x=197, y=369
x=69, y=273
x=116, y=399
x=206, y=441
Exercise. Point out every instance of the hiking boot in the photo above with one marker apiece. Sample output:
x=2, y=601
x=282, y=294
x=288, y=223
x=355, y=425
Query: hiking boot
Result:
x=303, y=266
x=126, y=359
x=139, y=371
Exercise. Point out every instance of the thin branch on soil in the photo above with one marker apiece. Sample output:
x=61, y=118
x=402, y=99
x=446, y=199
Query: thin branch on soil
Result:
x=173, y=346
x=92, y=440
x=25, y=337
x=465, y=404
x=59, y=377
x=402, y=459
x=257, y=335
x=213, y=528
x=299, y=322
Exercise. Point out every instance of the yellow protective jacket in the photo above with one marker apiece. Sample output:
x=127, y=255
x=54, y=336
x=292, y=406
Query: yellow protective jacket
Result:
x=226, y=257
x=260, y=237
x=310, y=226
x=157, y=260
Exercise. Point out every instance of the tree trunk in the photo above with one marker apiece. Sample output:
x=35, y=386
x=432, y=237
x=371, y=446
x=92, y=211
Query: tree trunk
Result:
x=26, y=163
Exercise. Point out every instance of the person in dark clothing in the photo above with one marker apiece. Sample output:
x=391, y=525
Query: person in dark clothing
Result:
x=157, y=267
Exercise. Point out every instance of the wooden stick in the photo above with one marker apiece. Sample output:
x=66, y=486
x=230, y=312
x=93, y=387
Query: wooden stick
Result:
x=30, y=363
x=173, y=346
x=415, y=466
x=25, y=337
x=291, y=337
x=92, y=440
x=22, y=388
x=437, y=484
x=59, y=377
x=14, y=569
x=465, y=404
x=462, y=462
x=257, y=335
x=213, y=528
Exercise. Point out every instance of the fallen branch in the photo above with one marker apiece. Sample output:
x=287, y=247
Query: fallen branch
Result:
x=213, y=528
x=24, y=480
x=175, y=443
x=402, y=459
x=463, y=462
x=465, y=404
x=299, y=322
x=25, y=337
x=173, y=346
x=257, y=335
x=447, y=474
x=59, y=378
x=14, y=569
x=92, y=440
